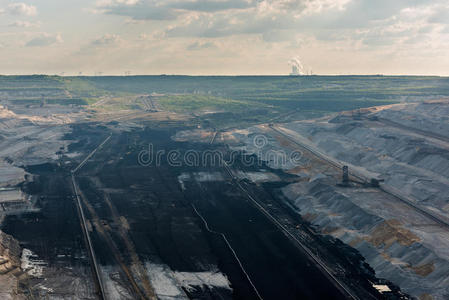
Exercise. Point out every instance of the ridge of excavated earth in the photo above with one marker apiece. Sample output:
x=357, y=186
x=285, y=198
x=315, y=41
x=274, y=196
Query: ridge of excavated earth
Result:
x=405, y=145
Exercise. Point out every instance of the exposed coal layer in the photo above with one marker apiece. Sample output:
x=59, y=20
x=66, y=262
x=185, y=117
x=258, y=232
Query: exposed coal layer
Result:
x=144, y=214
x=165, y=228
x=53, y=235
x=55, y=229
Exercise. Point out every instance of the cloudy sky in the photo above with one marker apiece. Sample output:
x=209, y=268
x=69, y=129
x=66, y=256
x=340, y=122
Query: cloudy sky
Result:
x=224, y=36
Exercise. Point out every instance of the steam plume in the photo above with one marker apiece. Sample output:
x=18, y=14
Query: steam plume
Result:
x=297, y=67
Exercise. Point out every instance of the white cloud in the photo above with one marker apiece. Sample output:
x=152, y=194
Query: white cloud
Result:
x=153, y=36
x=25, y=24
x=22, y=9
x=107, y=43
x=103, y=3
x=256, y=36
x=168, y=9
x=200, y=45
x=105, y=40
x=44, y=39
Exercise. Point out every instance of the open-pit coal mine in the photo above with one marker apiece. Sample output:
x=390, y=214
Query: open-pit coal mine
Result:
x=171, y=228
x=130, y=197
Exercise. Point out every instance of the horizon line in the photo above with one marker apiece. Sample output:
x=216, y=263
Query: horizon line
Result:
x=225, y=75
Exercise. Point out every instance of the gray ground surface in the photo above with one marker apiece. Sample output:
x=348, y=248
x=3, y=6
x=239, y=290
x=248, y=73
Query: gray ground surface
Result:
x=399, y=242
x=406, y=145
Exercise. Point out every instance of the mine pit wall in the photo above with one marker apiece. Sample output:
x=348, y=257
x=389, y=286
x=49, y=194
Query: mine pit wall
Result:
x=10, y=250
x=410, y=163
x=29, y=141
x=397, y=253
x=394, y=252
x=10, y=267
x=429, y=115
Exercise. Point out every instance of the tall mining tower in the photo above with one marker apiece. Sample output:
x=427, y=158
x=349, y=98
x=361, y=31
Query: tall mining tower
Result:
x=345, y=176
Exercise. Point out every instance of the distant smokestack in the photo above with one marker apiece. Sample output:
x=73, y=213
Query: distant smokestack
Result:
x=297, y=67
x=295, y=70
